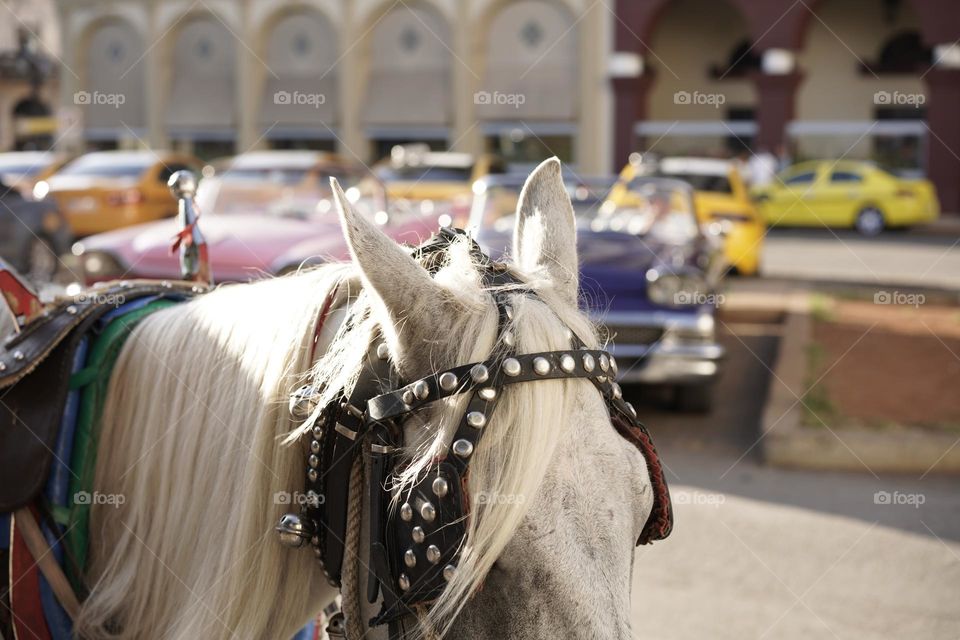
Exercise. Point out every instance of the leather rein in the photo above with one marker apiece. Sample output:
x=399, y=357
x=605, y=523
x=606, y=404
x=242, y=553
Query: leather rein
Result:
x=414, y=549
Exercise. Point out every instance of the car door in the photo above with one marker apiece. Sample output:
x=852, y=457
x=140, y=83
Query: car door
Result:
x=791, y=202
x=839, y=196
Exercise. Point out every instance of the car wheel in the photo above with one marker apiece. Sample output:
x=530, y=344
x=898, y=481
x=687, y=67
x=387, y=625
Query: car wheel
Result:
x=41, y=263
x=693, y=398
x=869, y=222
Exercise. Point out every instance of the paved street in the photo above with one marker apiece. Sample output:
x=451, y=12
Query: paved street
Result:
x=894, y=258
x=771, y=553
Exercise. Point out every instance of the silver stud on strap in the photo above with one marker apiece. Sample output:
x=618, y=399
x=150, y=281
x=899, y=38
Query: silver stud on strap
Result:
x=614, y=367
x=508, y=339
x=588, y=362
x=487, y=393
x=541, y=366
x=449, y=572
x=417, y=534
x=617, y=391
x=604, y=362
x=410, y=558
x=404, y=582
x=507, y=309
x=440, y=487
x=631, y=409
x=313, y=475
x=428, y=512
x=72, y=310
x=18, y=356
x=421, y=389
x=479, y=373
x=313, y=461
x=476, y=419
x=433, y=554
x=511, y=367
x=448, y=381
x=463, y=448
x=407, y=397
x=383, y=352
x=567, y=363
x=314, y=446
x=406, y=512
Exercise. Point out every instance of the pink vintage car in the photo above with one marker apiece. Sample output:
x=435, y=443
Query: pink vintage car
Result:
x=261, y=213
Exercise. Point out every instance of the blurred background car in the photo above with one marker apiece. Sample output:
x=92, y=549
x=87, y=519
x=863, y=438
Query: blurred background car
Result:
x=721, y=198
x=648, y=274
x=32, y=235
x=845, y=194
x=425, y=178
x=106, y=190
x=261, y=213
x=22, y=170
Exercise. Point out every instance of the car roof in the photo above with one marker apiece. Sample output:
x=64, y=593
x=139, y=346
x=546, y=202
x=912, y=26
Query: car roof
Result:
x=696, y=166
x=419, y=156
x=32, y=157
x=279, y=159
x=122, y=157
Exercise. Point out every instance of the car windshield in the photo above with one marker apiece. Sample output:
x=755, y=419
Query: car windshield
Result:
x=276, y=175
x=101, y=168
x=20, y=170
x=276, y=193
x=702, y=182
x=659, y=209
x=423, y=173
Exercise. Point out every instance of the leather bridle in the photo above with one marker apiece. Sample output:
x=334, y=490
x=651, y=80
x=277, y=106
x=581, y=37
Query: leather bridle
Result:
x=414, y=549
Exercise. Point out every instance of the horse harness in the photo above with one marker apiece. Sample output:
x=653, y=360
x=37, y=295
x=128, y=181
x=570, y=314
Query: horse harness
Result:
x=414, y=549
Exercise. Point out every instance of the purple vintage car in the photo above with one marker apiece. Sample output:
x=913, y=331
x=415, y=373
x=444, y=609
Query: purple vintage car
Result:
x=647, y=273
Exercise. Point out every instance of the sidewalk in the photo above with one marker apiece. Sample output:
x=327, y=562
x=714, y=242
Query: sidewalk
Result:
x=738, y=568
x=948, y=224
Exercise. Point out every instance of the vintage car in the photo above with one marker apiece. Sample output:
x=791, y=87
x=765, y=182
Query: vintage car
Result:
x=845, y=194
x=261, y=213
x=648, y=274
x=107, y=190
x=721, y=197
x=414, y=176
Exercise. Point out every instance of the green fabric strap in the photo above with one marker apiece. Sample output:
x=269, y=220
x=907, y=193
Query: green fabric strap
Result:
x=93, y=380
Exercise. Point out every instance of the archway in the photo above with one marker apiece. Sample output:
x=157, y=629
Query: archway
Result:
x=703, y=98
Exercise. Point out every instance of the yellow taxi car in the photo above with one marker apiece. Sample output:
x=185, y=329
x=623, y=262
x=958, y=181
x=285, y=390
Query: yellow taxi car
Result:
x=721, y=198
x=106, y=190
x=847, y=194
x=415, y=174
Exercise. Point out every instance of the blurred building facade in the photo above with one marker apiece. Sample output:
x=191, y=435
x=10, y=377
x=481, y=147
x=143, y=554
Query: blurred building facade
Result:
x=524, y=78
x=590, y=82
x=862, y=79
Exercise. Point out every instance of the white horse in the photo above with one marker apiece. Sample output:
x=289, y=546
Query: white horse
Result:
x=197, y=436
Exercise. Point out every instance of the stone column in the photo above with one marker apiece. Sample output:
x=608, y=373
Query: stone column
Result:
x=631, y=90
x=352, y=75
x=248, y=72
x=943, y=119
x=776, y=97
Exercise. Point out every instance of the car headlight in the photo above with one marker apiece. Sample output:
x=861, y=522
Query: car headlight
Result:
x=99, y=265
x=676, y=289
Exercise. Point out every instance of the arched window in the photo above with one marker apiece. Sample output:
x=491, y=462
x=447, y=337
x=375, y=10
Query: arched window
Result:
x=299, y=103
x=111, y=96
x=202, y=106
x=529, y=101
x=408, y=95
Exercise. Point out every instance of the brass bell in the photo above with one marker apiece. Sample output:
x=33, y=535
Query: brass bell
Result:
x=293, y=531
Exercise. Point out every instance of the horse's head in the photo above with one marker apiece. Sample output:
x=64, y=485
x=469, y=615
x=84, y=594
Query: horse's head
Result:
x=557, y=497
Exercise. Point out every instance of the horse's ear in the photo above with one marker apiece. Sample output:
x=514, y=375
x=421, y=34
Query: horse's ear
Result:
x=388, y=269
x=545, y=238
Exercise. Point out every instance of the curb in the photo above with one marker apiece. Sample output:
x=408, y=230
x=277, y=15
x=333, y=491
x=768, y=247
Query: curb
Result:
x=787, y=442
